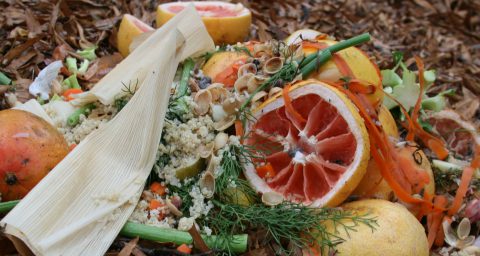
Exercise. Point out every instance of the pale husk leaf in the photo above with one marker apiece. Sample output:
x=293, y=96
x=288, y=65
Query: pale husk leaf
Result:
x=81, y=205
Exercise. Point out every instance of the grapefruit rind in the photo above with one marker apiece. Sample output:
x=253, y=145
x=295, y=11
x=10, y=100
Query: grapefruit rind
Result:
x=353, y=60
x=397, y=232
x=357, y=168
x=223, y=30
x=297, y=36
x=130, y=27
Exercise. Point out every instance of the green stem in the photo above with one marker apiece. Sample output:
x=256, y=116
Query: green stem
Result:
x=4, y=80
x=164, y=235
x=323, y=57
x=188, y=65
x=238, y=244
x=74, y=118
x=356, y=40
x=310, y=63
x=7, y=206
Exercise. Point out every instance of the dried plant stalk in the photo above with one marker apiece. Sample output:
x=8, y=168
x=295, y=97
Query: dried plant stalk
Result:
x=82, y=204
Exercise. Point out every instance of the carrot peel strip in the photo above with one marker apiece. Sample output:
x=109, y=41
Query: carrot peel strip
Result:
x=462, y=190
x=416, y=109
x=434, y=220
x=289, y=105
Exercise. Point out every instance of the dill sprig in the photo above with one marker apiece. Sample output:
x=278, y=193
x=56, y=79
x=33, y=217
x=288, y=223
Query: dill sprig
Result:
x=299, y=225
x=232, y=169
x=288, y=222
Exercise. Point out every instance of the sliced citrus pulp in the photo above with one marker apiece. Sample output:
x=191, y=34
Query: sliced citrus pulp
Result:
x=130, y=27
x=226, y=23
x=461, y=136
x=318, y=154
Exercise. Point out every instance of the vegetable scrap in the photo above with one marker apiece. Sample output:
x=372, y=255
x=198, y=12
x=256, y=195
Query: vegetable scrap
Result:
x=295, y=146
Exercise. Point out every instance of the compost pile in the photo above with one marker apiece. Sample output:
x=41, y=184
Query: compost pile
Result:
x=406, y=37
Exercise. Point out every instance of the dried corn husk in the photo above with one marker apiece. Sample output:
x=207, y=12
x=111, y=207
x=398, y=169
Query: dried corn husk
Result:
x=81, y=205
x=130, y=72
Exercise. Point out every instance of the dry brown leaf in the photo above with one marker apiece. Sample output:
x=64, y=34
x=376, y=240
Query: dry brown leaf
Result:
x=33, y=25
x=128, y=248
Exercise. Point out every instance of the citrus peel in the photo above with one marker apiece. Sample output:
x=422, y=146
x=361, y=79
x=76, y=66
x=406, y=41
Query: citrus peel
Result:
x=130, y=27
x=226, y=23
x=317, y=162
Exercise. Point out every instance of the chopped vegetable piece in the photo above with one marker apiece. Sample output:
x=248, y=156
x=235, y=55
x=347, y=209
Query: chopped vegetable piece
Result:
x=69, y=92
x=88, y=53
x=184, y=249
x=289, y=107
x=266, y=171
x=158, y=188
x=72, y=82
x=183, y=86
x=74, y=118
x=434, y=220
x=71, y=64
x=4, y=80
x=154, y=204
x=462, y=190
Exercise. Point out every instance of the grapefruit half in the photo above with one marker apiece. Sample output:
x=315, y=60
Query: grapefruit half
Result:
x=226, y=23
x=317, y=161
x=130, y=27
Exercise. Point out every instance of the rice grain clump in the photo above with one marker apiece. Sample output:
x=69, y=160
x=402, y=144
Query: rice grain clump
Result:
x=179, y=145
x=87, y=124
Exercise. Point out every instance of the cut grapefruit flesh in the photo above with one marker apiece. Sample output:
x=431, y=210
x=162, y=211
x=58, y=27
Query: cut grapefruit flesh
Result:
x=317, y=159
x=226, y=23
x=460, y=136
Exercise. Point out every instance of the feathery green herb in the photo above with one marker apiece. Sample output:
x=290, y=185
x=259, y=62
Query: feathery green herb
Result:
x=288, y=222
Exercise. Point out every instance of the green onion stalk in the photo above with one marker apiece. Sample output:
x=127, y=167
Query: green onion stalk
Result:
x=164, y=235
x=74, y=118
x=4, y=79
x=308, y=65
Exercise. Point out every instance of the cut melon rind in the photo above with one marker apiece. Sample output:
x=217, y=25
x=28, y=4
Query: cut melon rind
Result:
x=353, y=173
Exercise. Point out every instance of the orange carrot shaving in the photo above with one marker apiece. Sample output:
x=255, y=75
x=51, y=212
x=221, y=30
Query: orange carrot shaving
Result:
x=69, y=92
x=158, y=188
x=183, y=248
x=434, y=220
x=289, y=106
x=432, y=142
x=440, y=238
x=266, y=171
x=342, y=65
x=315, y=45
x=414, y=175
x=362, y=87
x=154, y=204
x=462, y=190
x=382, y=153
x=416, y=109
x=476, y=158
x=239, y=128
x=229, y=75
